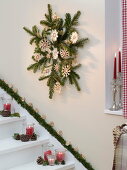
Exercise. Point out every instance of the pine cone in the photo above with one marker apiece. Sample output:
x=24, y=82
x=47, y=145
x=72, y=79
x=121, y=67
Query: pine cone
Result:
x=40, y=160
x=6, y=113
x=16, y=136
x=24, y=138
x=34, y=137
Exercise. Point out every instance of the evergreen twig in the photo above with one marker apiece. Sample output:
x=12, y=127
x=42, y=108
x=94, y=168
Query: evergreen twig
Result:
x=43, y=123
x=64, y=29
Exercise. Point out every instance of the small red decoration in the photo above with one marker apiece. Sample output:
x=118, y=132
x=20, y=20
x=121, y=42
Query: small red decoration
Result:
x=60, y=156
x=115, y=68
x=46, y=153
x=30, y=129
x=7, y=107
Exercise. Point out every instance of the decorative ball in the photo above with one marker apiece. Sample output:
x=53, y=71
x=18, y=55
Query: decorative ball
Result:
x=24, y=138
x=30, y=104
x=43, y=117
x=68, y=143
x=15, y=90
x=40, y=160
x=76, y=149
x=6, y=113
x=36, y=110
x=23, y=99
x=51, y=123
x=60, y=133
x=82, y=156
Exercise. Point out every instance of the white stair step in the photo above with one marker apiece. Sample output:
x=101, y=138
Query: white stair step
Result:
x=34, y=166
x=10, y=125
x=16, y=153
x=5, y=120
x=10, y=145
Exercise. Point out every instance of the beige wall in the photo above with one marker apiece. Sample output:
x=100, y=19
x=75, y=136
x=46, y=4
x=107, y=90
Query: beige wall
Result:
x=79, y=115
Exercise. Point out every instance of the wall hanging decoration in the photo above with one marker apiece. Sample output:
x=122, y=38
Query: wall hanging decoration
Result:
x=56, y=50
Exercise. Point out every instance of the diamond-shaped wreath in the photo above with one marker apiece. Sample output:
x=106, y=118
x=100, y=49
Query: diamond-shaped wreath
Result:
x=56, y=50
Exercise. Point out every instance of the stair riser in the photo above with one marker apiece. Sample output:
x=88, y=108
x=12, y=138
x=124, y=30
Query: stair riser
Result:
x=7, y=130
x=13, y=159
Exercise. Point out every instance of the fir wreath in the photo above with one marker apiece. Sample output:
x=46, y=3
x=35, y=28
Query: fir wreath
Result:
x=56, y=49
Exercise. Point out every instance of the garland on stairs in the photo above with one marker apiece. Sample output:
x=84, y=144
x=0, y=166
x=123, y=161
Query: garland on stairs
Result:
x=13, y=93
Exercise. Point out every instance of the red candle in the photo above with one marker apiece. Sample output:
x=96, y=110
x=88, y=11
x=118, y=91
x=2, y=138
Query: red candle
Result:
x=60, y=156
x=29, y=130
x=115, y=68
x=7, y=107
x=46, y=153
x=119, y=61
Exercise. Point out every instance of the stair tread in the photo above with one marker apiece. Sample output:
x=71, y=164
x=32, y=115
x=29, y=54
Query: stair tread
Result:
x=4, y=120
x=10, y=145
x=34, y=166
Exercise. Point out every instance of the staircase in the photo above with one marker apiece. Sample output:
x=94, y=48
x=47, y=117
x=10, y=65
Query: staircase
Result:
x=17, y=155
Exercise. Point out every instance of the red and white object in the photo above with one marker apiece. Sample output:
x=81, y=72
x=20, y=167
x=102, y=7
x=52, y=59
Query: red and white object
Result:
x=7, y=107
x=60, y=155
x=115, y=68
x=124, y=56
x=30, y=129
x=46, y=154
x=51, y=160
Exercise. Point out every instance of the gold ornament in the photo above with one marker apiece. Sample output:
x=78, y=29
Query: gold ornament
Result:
x=55, y=17
x=82, y=156
x=57, y=87
x=68, y=143
x=51, y=123
x=11, y=86
x=36, y=110
x=15, y=90
x=60, y=133
x=30, y=104
x=76, y=149
x=23, y=99
x=43, y=117
x=75, y=62
x=61, y=32
x=67, y=41
x=48, y=56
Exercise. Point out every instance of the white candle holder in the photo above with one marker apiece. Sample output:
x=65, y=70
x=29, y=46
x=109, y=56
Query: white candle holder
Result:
x=51, y=159
x=114, y=106
x=60, y=155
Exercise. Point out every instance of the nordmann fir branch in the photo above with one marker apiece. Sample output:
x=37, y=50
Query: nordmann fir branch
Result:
x=44, y=124
x=56, y=50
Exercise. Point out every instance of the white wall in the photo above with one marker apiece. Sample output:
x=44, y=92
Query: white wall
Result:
x=79, y=115
x=112, y=42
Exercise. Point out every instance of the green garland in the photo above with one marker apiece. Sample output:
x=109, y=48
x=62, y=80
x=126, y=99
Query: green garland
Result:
x=56, y=50
x=43, y=123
